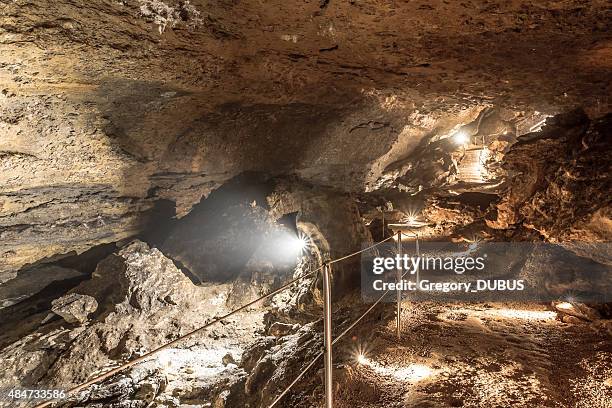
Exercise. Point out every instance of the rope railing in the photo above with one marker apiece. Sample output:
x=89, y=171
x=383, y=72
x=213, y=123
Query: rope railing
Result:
x=360, y=251
x=145, y=356
x=327, y=349
x=295, y=381
x=327, y=322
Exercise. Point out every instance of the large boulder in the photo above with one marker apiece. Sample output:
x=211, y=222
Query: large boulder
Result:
x=136, y=300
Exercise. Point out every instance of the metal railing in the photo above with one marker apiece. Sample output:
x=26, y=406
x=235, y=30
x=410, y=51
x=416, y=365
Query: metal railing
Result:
x=328, y=343
x=327, y=327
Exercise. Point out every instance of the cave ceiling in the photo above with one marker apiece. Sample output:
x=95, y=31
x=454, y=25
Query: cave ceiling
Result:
x=107, y=107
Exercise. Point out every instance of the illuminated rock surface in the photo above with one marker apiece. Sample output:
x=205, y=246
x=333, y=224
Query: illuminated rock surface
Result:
x=106, y=107
x=159, y=159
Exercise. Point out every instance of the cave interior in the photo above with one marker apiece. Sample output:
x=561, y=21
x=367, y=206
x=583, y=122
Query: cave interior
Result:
x=166, y=163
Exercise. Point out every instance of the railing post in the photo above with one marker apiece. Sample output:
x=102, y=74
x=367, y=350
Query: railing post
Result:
x=327, y=334
x=418, y=279
x=399, y=292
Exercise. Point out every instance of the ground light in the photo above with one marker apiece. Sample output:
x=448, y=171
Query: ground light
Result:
x=411, y=220
x=361, y=359
x=461, y=138
x=564, y=306
x=410, y=373
x=523, y=314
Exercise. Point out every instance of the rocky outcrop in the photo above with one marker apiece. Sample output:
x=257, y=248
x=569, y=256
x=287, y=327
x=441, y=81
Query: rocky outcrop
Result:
x=108, y=107
x=272, y=364
x=135, y=301
x=332, y=222
x=74, y=308
x=33, y=281
x=559, y=181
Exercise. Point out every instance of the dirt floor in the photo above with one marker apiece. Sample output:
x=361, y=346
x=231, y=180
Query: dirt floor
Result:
x=469, y=355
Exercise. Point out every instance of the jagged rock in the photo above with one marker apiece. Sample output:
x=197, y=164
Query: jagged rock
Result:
x=74, y=308
x=577, y=311
x=572, y=319
x=150, y=389
x=558, y=183
x=271, y=372
x=107, y=108
x=84, y=155
x=253, y=354
x=32, y=281
x=143, y=301
x=279, y=329
x=228, y=359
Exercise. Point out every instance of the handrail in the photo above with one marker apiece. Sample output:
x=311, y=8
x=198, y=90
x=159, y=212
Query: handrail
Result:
x=348, y=329
x=360, y=251
x=137, y=360
x=175, y=341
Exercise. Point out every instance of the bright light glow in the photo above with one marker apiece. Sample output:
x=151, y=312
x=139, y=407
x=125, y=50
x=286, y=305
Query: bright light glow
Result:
x=299, y=244
x=411, y=373
x=461, y=137
x=204, y=363
x=564, y=306
x=481, y=168
x=414, y=372
x=474, y=242
x=484, y=155
x=412, y=219
x=295, y=245
x=523, y=314
x=508, y=313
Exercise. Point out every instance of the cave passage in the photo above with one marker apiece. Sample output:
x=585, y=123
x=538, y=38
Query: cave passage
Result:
x=305, y=204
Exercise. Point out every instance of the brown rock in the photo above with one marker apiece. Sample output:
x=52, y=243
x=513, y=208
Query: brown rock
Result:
x=74, y=307
x=278, y=329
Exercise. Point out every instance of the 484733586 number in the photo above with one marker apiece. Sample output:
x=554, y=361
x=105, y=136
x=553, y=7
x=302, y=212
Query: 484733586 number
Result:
x=17, y=393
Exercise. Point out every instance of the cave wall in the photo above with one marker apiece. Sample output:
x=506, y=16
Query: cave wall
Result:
x=559, y=181
x=109, y=106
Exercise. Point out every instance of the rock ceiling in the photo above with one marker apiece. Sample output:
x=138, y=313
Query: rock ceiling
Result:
x=107, y=106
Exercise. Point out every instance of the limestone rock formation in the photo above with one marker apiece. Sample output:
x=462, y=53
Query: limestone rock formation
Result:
x=142, y=301
x=74, y=307
x=109, y=107
x=33, y=281
x=219, y=132
x=559, y=181
x=273, y=366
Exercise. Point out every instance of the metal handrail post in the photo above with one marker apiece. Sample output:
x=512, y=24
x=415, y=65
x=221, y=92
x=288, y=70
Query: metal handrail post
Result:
x=399, y=292
x=327, y=335
x=418, y=279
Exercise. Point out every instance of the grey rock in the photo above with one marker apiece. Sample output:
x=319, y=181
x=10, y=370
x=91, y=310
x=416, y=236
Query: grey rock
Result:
x=74, y=307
